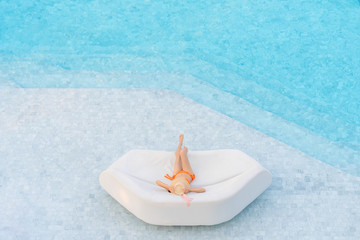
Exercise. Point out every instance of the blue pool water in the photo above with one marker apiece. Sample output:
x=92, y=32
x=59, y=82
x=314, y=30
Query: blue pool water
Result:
x=299, y=61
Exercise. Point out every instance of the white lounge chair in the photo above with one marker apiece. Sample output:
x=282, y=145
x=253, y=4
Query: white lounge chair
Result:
x=231, y=178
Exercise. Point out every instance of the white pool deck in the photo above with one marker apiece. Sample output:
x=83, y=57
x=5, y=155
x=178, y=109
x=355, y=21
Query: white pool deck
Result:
x=55, y=142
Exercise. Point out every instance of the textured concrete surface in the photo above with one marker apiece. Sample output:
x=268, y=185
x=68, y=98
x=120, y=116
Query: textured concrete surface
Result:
x=55, y=142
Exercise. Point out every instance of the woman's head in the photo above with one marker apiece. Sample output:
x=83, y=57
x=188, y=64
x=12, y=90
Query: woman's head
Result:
x=179, y=188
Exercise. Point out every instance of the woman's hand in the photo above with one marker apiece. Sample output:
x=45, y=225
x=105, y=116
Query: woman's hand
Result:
x=167, y=187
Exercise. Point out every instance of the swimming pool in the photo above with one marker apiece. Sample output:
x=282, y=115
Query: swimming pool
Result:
x=290, y=70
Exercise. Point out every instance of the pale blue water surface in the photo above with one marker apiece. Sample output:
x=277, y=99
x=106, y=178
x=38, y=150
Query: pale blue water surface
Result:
x=299, y=60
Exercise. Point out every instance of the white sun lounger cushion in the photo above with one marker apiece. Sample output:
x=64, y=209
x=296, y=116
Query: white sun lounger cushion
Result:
x=231, y=178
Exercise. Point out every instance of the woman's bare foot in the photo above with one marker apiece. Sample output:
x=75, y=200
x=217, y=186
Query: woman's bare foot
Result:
x=181, y=138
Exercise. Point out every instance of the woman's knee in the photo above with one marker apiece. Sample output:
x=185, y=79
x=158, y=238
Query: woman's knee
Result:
x=184, y=151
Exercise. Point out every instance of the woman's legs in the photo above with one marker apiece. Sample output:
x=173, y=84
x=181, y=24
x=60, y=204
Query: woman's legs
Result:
x=178, y=163
x=185, y=161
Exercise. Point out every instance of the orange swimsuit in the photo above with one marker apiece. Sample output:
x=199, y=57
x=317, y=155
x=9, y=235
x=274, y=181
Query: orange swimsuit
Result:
x=182, y=171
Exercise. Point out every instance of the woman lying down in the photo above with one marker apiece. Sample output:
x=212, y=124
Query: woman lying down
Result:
x=183, y=175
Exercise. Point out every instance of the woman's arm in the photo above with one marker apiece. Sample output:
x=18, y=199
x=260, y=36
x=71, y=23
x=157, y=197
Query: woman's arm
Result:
x=197, y=189
x=161, y=184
